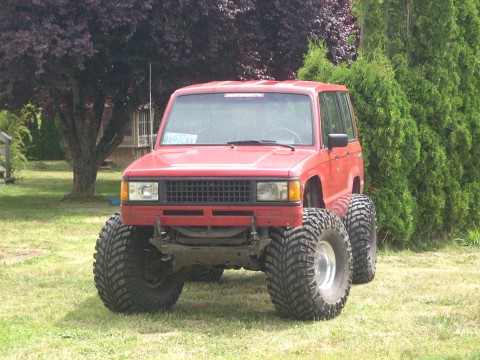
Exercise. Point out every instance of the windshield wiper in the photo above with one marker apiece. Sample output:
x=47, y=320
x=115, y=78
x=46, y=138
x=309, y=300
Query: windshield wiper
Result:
x=260, y=142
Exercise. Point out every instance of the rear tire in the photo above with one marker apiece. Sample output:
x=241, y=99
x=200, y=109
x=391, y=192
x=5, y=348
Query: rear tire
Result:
x=129, y=273
x=309, y=268
x=200, y=273
x=360, y=222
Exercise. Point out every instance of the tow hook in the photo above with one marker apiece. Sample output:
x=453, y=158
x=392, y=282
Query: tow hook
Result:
x=160, y=238
x=254, y=232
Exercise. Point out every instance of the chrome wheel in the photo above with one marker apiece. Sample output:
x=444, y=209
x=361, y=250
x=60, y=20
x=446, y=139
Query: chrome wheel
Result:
x=325, y=265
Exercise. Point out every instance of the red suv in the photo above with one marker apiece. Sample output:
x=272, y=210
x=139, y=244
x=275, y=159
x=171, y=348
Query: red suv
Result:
x=260, y=175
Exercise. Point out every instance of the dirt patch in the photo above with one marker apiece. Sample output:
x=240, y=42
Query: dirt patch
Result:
x=10, y=259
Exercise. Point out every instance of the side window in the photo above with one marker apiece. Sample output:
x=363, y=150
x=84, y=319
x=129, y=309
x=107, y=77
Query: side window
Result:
x=347, y=115
x=324, y=119
x=331, y=119
x=333, y=114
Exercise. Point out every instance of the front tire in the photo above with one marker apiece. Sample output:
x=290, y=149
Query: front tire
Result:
x=309, y=268
x=129, y=273
x=360, y=222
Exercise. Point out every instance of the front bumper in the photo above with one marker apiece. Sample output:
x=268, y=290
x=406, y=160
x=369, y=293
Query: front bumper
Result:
x=265, y=216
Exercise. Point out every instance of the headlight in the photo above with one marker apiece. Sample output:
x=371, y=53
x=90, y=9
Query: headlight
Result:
x=139, y=191
x=279, y=191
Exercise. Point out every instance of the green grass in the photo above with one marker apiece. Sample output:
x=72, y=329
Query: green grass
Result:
x=471, y=237
x=422, y=305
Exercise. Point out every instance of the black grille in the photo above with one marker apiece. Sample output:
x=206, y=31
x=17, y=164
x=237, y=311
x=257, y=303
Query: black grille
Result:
x=208, y=191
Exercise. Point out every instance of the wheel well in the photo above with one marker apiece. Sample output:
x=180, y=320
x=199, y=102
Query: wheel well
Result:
x=313, y=195
x=356, y=186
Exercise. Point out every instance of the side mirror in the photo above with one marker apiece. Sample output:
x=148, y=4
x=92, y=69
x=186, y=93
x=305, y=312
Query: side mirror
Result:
x=337, y=140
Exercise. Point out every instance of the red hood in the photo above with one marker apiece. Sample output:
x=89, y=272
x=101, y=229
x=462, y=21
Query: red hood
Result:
x=205, y=161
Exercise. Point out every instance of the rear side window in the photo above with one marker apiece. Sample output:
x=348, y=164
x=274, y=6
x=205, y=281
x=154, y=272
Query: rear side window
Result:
x=347, y=115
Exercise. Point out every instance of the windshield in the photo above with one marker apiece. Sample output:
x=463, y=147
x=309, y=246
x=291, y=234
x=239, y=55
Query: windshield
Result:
x=221, y=118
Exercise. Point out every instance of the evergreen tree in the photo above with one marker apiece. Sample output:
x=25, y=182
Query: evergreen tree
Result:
x=388, y=134
x=468, y=20
x=433, y=49
x=433, y=46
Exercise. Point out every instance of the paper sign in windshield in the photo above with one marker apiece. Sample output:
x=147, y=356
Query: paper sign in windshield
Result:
x=244, y=95
x=171, y=138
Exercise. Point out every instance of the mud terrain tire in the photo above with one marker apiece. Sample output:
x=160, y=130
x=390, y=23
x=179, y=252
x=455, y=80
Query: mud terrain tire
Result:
x=309, y=268
x=128, y=272
x=360, y=222
x=199, y=273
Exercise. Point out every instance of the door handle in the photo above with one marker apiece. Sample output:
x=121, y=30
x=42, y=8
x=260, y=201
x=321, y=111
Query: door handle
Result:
x=336, y=156
x=348, y=152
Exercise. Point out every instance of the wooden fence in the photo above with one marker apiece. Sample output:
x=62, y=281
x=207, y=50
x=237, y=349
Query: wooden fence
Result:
x=5, y=157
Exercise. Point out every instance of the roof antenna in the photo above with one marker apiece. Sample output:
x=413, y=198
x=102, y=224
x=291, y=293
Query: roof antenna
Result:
x=150, y=107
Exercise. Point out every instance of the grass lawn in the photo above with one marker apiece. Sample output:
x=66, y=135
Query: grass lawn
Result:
x=420, y=306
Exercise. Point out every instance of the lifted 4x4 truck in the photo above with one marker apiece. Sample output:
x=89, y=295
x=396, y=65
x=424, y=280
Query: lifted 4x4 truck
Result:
x=260, y=175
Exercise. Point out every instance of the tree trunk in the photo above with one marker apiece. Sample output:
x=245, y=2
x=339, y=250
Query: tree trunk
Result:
x=81, y=122
x=84, y=178
x=82, y=155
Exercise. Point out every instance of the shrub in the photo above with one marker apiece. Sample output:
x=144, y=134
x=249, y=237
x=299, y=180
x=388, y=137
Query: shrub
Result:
x=45, y=142
x=14, y=126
